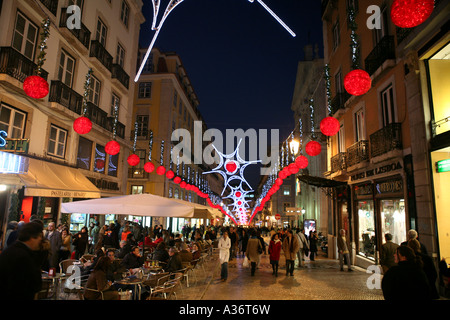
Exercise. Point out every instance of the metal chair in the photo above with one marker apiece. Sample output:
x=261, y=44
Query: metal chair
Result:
x=63, y=265
x=164, y=292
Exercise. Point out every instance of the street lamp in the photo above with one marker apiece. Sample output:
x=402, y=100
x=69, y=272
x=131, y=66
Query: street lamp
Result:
x=294, y=146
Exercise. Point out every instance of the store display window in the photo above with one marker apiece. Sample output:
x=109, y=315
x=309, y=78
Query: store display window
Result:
x=366, y=231
x=393, y=219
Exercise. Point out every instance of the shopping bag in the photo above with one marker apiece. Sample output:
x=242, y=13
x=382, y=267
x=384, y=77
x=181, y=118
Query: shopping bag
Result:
x=125, y=294
x=246, y=262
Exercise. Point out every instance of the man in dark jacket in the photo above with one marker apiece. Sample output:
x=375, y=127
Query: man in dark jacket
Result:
x=20, y=272
x=133, y=260
x=174, y=263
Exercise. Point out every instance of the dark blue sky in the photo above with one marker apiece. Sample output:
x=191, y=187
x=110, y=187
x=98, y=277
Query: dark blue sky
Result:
x=241, y=62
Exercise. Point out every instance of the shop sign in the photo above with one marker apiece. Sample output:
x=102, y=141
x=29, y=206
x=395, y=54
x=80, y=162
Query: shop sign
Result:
x=13, y=164
x=365, y=189
x=392, y=186
x=443, y=166
x=377, y=171
x=13, y=145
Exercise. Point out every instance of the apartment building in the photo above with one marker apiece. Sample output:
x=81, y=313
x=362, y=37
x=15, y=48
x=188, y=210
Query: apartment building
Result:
x=165, y=101
x=62, y=165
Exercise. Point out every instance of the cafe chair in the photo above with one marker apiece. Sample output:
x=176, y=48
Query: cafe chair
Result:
x=63, y=265
x=163, y=292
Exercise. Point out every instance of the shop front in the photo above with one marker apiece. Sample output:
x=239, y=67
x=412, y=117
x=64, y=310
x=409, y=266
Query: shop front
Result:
x=379, y=206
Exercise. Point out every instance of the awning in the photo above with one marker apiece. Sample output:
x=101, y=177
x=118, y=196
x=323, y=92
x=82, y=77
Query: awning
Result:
x=201, y=211
x=320, y=182
x=45, y=179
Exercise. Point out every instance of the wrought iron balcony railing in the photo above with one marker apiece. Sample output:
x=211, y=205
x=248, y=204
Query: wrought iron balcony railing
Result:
x=358, y=153
x=98, y=51
x=338, y=102
x=97, y=115
x=120, y=74
x=51, y=5
x=65, y=96
x=387, y=139
x=16, y=65
x=83, y=34
x=384, y=50
x=339, y=162
x=137, y=173
x=120, y=129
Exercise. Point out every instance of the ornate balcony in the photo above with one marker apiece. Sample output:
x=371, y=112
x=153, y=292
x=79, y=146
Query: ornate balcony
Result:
x=65, y=96
x=16, y=65
x=120, y=74
x=384, y=50
x=137, y=173
x=98, y=51
x=97, y=115
x=51, y=5
x=120, y=129
x=338, y=102
x=83, y=35
x=358, y=153
x=339, y=162
x=387, y=139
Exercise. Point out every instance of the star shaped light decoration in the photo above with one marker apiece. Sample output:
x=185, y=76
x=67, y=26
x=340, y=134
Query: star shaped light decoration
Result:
x=231, y=167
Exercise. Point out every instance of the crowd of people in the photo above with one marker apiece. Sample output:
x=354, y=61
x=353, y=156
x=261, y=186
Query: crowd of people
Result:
x=114, y=249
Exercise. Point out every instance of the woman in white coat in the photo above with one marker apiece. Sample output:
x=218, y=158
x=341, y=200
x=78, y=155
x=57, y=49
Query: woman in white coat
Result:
x=224, y=255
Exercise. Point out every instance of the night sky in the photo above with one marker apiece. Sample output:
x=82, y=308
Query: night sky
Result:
x=241, y=62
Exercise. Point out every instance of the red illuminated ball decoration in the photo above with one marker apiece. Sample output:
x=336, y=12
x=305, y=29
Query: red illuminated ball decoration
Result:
x=302, y=162
x=177, y=180
x=411, y=13
x=231, y=167
x=100, y=163
x=329, y=126
x=112, y=148
x=282, y=174
x=149, y=167
x=82, y=125
x=313, y=148
x=170, y=174
x=293, y=168
x=161, y=170
x=357, y=82
x=35, y=87
x=133, y=160
x=279, y=181
x=183, y=184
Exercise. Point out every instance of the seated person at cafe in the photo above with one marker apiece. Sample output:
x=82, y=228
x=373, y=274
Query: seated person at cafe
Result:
x=174, y=263
x=126, y=246
x=185, y=254
x=195, y=252
x=161, y=254
x=98, y=281
x=158, y=239
x=133, y=260
x=115, y=268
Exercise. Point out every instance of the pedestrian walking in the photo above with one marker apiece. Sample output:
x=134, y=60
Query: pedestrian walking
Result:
x=388, y=250
x=303, y=248
x=406, y=281
x=224, y=246
x=80, y=242
x=20, y=271
x=64, y=252
x=54, y=237
x=290, y=247
x=274, y=253
x=313, y=238
x=412, y=234
x=254, y=250
x=343, y=249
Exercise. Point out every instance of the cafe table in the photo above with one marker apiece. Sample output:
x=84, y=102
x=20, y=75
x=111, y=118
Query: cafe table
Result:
x=55, y=280
x=132, y=281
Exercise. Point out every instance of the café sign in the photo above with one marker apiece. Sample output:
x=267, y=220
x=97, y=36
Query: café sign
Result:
x=377, y=171
x=443, y=166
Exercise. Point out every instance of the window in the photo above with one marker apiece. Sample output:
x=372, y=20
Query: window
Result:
x=148, y=66
x=125, y=13
x=66, y=69
x=175, y=98
x=99, y=159
x=388, y=105
x=360, y=127
x=137, y=189
x=94, y=91
x=341, y=139
x=384, y=30
x=120, y=58
x=115, y=100
x=286, y=190
x=25, y=36
x=142, y=121
x=336, y=36
x=101, y=32
x=286, y=205
x=57, y=141
x=78, y=3
x=113, y=165
x=12, y=121
x=84, y=154
x=145, y=90
x=338, y=82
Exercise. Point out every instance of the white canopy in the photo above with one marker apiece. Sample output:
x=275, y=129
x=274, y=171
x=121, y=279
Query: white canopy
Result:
x=201, y=211
x=136, y=204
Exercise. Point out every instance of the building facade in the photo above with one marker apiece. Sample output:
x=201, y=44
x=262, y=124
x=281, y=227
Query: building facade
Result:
x=101, y=36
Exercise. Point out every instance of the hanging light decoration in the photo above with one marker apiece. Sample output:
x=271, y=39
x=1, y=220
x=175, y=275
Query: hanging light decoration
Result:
x=160, y=170
x=133, y=160
x=35, y=86
x=112, y=147
x=82, y=125
x=149, y=167
x=313, y=148
x=329, y=126
x=302, y=162
x=293, y=168
x=411, y=13
x=357, y=82
x=177, y=180
x=170, y=174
